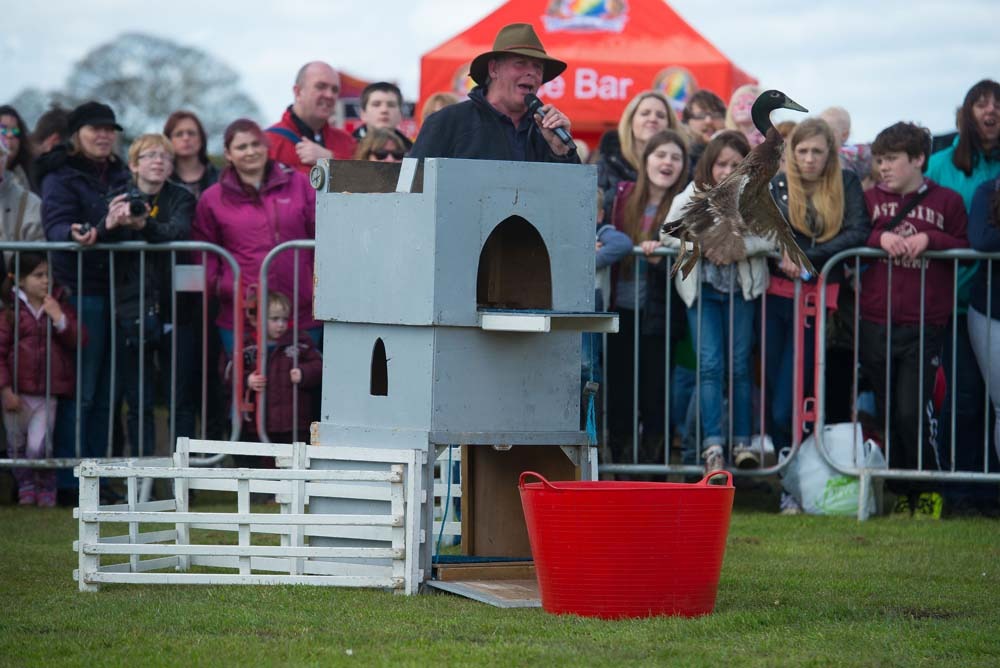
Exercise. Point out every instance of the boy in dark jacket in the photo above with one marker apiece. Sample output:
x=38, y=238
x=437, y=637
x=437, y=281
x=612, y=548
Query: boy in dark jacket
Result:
x=936, y=222
x=27, y=391
x=293, y=367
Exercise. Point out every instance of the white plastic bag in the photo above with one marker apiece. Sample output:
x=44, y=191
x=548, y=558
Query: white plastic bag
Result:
x=817, y=486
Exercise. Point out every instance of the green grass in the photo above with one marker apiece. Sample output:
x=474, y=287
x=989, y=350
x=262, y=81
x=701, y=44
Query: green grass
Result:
x=794, y=591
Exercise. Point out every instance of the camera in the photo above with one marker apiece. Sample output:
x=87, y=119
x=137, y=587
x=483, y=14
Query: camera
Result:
x=136, y=202
x=84, y=228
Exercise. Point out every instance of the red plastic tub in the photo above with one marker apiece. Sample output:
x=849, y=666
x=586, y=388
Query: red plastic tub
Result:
x=627, y=549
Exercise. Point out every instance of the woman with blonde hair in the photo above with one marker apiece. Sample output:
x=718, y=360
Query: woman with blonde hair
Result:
x=437, y=102
x=380, y=145
x=621, y=150
x=826, y=208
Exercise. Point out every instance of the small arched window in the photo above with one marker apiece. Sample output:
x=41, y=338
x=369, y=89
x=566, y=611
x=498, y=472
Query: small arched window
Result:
x=380, y=370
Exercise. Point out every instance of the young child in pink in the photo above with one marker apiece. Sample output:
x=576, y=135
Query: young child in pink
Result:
x=28, y=414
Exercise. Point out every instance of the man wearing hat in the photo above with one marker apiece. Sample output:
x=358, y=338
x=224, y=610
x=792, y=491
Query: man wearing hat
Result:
x=494, y=123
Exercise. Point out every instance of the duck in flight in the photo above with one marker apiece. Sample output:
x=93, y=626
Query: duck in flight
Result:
x=717, y=221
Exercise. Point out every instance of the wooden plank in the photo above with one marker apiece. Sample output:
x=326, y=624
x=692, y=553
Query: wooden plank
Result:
x=242, y=518
x=249, y=550
x=233, y=579
x=506, y=570
x=108, y=471
x=498, y=593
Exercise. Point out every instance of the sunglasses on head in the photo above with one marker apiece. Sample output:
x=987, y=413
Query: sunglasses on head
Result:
x=10, y=131
x=382, y=155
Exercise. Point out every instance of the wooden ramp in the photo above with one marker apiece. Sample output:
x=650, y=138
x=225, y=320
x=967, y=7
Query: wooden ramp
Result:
x=504, y=584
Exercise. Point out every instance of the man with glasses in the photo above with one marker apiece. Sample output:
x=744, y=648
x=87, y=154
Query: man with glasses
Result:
x=154, y=210
x=703, y=116
x=304, y=134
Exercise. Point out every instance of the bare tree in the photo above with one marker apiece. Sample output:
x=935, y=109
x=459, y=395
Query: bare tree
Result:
x=144, y=78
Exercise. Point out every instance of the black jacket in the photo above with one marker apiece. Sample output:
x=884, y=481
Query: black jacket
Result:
x=174, y=210
x=77, y=190
x=853, y=233
x=612, y=168
x=472, y=129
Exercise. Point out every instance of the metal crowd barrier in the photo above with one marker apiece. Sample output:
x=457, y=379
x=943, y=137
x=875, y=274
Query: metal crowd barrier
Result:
x=666, y=466
x=184, y=278
x=261, y=403
x=809, y=403
x=922, y=472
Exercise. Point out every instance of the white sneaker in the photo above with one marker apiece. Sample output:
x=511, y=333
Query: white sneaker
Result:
x=745, y=458
x=789, y=505
x=715, y=458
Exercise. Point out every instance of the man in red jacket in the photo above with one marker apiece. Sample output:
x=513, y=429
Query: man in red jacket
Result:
x=304, y=134
x=936, y=220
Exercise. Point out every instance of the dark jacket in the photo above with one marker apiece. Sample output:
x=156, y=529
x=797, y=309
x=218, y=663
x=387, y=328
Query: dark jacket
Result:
x=77, y=190
x=473, y=129
x=31, y=350
x=612, y=168
x=984, y=235
x=209, y=177
x=654, y=308
x=853, y=232
x=279, y=384
x=941, y=216
x=173, y=207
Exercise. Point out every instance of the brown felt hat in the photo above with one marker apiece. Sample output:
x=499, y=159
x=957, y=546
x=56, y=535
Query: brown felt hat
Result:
x=520, y=39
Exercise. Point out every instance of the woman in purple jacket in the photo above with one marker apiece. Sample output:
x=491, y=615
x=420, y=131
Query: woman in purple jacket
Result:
x=257, y=204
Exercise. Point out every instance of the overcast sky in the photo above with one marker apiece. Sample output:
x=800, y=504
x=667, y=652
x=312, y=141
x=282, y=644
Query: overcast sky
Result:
x=884, y=61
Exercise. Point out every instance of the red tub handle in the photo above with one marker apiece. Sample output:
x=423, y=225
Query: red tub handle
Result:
x=729, y=477
x=525, y=474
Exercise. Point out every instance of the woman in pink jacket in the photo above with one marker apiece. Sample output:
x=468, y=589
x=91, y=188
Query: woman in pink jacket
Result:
x=257, y=204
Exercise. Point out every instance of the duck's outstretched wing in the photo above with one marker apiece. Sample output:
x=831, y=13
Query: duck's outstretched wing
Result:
x=712, y=224
x=764, y=219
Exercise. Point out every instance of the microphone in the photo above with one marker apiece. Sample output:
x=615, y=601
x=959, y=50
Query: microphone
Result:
x=535, y=107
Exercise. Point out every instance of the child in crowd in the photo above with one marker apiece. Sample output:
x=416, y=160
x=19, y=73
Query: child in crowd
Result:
x=292, y=366
x=910, y=214
x=639, y=288
x=28, y=395
x=720, y=303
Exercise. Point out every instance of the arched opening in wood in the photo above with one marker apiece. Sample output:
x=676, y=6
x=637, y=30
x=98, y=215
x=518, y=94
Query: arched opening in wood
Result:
x=514, y=268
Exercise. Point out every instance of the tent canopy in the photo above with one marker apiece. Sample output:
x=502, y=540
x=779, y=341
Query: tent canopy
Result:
x=615, y=49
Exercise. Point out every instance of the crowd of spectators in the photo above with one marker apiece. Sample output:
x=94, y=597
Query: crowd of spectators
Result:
x=68, y=182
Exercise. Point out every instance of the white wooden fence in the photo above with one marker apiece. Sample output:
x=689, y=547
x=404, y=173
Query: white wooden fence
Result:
x=447, y=496
x=198, y=549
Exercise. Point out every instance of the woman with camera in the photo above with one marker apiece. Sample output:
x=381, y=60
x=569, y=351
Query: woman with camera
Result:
x=76, y=188
x=154, y=210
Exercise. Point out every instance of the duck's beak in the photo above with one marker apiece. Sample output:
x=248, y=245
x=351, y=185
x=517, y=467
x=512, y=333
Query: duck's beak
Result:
x=793, y=105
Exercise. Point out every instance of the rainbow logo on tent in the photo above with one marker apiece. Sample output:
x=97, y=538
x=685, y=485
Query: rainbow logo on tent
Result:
x=462, y=83
x=677, y=84
x=605, y=15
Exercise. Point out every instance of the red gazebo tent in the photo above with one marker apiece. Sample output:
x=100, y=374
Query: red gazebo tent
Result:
x=614, y=48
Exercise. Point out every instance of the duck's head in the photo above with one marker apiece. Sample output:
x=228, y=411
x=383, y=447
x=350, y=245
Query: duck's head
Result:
x=767, y=102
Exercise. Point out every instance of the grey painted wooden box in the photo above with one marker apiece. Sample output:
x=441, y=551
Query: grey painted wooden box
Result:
x=453, y=306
